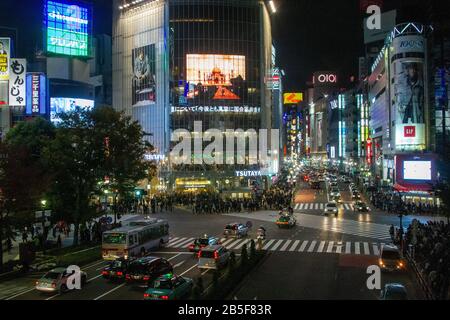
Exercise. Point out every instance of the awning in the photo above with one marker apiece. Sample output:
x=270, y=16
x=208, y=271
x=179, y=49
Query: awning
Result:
x=412, y=189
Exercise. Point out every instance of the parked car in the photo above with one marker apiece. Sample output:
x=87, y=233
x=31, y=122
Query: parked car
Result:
x=56, y=281
x=213, y=257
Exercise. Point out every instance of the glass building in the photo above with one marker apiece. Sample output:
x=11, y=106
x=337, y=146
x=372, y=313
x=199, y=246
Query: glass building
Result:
x=179, y=62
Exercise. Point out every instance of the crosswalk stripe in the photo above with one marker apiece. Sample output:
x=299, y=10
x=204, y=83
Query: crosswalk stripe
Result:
x=339, y=248
x=312, y=246
x=330, y=247
x=348, y=247
x=366, y=249
x=296, y=242
x=230, y=246
x=223, y=240
x=301, y=206
x=357, y=248
x=275, y=247
x=347, y=206
x=183, y=243
x=322, y=206
x=227, y=242
x=268, y=244
x=303, y=246
x=317, y=206
x=242, y=244
x=376, y=251
x=175, y=240
x=284, y=247
x=321, y=246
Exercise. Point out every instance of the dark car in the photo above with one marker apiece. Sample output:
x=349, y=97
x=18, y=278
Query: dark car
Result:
x=201, y=243
x=117, y=269
x=145, y=270
x=361, y=207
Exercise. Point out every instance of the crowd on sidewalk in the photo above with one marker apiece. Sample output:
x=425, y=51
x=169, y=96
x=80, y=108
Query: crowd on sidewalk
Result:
x=431, y=243
x=388, y=201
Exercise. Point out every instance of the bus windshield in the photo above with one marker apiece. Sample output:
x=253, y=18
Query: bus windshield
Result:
x=115, y=238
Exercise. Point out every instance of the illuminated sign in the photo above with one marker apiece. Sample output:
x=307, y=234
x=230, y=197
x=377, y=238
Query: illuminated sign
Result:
x=246, y=174
x=69, y=28
x=154, y=157
x=217, y=109
x=65, y=105
x=17, y=83
x=214, y=69
x=325, y=78
x=417, y=170
x=4, y=58
x=293, y=98
x=36, y=94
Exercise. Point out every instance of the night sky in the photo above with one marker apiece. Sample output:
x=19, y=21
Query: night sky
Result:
x=310, y=35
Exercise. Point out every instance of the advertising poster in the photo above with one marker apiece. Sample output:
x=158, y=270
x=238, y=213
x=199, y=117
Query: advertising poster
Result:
x=144, y=75
x=4, y=58
x=36, y=94
x=17, y=82
x=60, y=105
x=409, y=92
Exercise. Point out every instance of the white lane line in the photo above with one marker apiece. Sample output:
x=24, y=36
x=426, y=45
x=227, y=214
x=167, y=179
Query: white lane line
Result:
x=183, y=243
x=357, y=248
x=268, y=244
x=376, y=251
x=179, y=264
x=195, y=265
x=303, y=246
x=19, y=294
x=275, y=247
x=110, y=291
x=339, y=248
x=227, y=242
x=296, y=242
x=222, y=240
x=96, y=277
x=205, y=272
x=312, y=246
x=174, y=242
x=174, y=256
x=242, y=244
x=321, y=246
x=230, y=246
x=330, y=247
x=366, y=249
x=50, y=298
x=283, y=248
x=95, y=264
x=348, y=248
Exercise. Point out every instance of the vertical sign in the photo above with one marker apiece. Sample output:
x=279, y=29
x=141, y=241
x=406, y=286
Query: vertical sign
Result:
x=4, y=58
x=17, y=85
x=36, y=94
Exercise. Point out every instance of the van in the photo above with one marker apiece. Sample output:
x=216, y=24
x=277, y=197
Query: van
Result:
x=391, y=259
x=213, y=257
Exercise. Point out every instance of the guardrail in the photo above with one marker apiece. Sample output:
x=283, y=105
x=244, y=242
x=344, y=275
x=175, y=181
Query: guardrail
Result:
x=421, y=279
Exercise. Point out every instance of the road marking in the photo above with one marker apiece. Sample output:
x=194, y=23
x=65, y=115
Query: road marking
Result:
x=95, y=264
x=296, y=242
x=357, y=248
x=173, y=242
x=96, y=277
x=50, y=298
x=303, y=246
x=312, y=246
x=183, y=243
x=296, y=206
x=230, y=246
x=19, y=294
x=322, y=206
x=348, y=247
x=227, y=242
x=275, y=247
x=205, y=272
x=284, y=247
x=330, y=247
x=188, y=270
x=242, y=244
x=366, y=249
x=376, y=251
x=339, y=248
x=110, y=291
x=316, y=206
x=301, y=206
x=174, y=256
x=268, y=244
x=321, y=246
x=179, y=264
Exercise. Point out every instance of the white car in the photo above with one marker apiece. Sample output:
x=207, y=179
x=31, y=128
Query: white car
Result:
x=56, y=281
x=332, y=208
x=335, y=192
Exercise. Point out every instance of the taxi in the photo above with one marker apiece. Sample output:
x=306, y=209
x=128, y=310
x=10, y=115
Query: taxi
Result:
x=203, y=242
x=169, y=287
x=286, y=221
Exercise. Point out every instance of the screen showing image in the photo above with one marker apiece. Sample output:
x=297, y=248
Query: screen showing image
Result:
x=60, y=105
x=417, y=170
x=144, y=75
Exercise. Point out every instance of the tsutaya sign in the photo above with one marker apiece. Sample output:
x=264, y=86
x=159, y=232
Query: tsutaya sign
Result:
x=248, y=174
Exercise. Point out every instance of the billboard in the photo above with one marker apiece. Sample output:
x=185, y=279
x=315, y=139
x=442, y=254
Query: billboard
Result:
x=60, y=105
x=144, y=75
x=293, y=98
x=17, y=83
x=388, y=22
x=417, y=170
x=68, y=28
x=5, y=53
x=325, y=78
x=36, y=94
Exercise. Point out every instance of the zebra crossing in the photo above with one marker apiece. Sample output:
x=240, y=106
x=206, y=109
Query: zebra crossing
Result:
x=321, y=206
x=299, y=246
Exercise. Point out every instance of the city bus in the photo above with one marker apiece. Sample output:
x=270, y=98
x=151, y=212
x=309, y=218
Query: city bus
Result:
x=135, y=239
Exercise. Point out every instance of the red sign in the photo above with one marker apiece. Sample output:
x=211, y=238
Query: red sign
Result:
x=369, y=151
x=410, y=132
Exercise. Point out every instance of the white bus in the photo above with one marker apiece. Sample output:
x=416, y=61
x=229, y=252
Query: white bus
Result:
x=135, y=239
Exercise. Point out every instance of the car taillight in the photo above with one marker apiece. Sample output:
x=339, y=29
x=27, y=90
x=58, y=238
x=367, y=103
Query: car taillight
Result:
x=128, y=277
x=191, y=246
x=119, y=273
x=146, y=278
x=105, y=273
x=199, y=254
x=216, y=255
x=164, y=297
x=146, y=295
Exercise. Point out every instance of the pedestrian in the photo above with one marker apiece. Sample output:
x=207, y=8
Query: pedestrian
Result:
x=59, y=242
x=24, y=236
x=8, y=245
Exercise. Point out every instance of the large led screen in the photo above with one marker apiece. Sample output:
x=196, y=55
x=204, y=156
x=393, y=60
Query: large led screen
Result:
x=144, y=75
x=214, y=69
x=60, y=105
x=417, y=170
x=68, y=28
